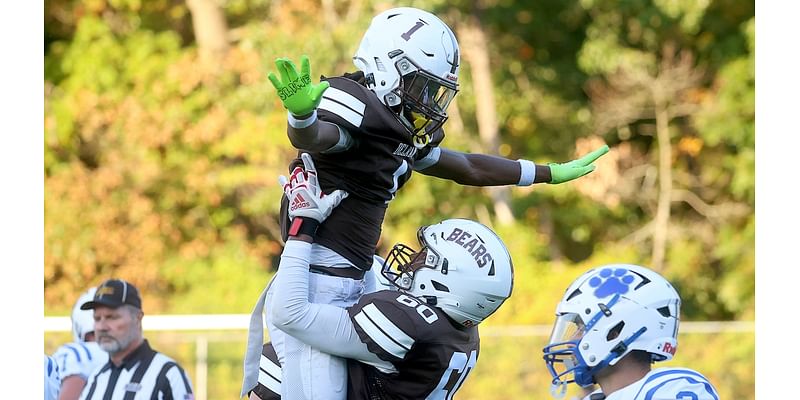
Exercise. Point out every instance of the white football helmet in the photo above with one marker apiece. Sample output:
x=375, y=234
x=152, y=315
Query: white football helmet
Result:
x=410, y=60
x=83, y=320
x=605, y=314
x=463, y=268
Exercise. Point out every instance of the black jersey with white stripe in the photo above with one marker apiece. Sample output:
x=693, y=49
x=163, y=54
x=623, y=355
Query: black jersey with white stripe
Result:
x=143, y=374
x=269, y=374
x=372, y=170
x=430, y=356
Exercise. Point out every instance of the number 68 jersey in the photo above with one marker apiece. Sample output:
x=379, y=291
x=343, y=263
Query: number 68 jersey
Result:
x=427, y=355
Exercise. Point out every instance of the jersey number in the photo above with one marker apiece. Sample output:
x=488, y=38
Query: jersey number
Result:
x=407, y=35
x=424, y=311
x=460, y=365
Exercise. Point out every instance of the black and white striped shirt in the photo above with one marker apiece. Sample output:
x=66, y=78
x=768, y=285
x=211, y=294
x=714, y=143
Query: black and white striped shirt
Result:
x=143, y=374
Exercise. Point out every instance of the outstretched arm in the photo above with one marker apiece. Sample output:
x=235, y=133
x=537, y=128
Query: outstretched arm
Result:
x=487, y=170
x=301, y=98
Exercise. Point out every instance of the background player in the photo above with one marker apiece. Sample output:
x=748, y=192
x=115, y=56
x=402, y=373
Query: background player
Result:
x=418, y=341
x=77, y=360
x=367, y=132
x=51, y=378
x=613, y=322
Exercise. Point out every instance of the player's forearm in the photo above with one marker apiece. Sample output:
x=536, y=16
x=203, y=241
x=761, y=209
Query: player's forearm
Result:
x=322, y=326
x=309, y=133
x=71, y=387
x=487, y=170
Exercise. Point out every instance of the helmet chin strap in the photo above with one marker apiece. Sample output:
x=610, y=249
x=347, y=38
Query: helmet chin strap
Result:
x=421, y=141
x=419, y=123
x=558, y=389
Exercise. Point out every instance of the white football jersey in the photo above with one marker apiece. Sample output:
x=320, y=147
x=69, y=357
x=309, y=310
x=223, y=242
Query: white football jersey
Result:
x=52, y=381
x=667, y=384
x=79, y=358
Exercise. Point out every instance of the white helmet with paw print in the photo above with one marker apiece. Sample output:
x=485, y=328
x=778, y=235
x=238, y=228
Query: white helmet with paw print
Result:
x=605, y=314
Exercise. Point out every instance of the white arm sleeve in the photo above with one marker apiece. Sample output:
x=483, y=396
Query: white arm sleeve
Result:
x=430, y=159
x=325, y=327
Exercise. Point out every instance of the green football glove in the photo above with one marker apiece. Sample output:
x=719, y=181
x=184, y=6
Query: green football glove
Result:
x=297, y=93
x=560, y=173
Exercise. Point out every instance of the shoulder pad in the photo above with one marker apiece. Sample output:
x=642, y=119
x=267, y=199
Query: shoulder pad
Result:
x=391, y=322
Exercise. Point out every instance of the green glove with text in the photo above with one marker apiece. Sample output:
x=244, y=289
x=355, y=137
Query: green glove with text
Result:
x=560, y=173
x=297, y=93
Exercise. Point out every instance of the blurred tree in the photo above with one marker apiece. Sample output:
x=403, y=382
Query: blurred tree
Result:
x=632, y=95
x=210, y=30
x=630, y=50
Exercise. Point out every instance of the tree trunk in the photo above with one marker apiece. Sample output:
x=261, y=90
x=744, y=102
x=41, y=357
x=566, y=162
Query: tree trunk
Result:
x=474, y=47
x=661, y=227
x=210, y=30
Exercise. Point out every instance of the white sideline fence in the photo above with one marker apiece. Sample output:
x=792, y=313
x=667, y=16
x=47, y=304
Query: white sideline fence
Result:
x=240, y=322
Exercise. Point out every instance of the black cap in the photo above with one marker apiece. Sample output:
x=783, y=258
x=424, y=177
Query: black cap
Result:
x=114, y=293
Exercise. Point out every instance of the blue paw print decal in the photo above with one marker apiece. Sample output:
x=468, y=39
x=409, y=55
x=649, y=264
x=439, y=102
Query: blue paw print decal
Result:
x=611, y=282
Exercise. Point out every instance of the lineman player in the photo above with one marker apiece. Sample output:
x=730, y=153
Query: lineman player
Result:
x=419, y=341
x=77, y=360
x=367, y=131
x=612, y=323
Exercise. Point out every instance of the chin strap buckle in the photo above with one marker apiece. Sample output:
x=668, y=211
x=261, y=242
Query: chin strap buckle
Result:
x=558, y=389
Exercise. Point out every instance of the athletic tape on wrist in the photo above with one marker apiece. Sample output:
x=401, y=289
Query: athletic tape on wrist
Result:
x=300, y=226
x=302, y=123
x=527, y=172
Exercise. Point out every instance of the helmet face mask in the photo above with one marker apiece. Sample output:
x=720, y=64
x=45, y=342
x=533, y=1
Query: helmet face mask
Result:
x=561, y=357
x=410, y=60
x=425, y=99
x=463, y=268
x=403, y=262
x=604, y=315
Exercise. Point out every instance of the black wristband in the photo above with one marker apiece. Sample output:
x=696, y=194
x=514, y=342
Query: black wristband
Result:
x=303, y=226
x=543, y=174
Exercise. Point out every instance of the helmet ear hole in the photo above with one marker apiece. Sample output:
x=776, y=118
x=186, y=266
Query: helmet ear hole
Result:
x=440, y=287
x=615, y=331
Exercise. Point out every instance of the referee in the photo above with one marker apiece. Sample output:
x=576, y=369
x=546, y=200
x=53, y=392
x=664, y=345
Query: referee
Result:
x=134, y=370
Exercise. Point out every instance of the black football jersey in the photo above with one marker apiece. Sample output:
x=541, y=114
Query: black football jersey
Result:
x=431, y=356
x=371, y=171
x=269, y=374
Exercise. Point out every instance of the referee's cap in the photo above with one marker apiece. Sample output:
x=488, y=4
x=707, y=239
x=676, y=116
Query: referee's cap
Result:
x=114, y=293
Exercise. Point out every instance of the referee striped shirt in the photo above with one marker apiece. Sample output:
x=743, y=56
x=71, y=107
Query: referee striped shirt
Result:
x=143, y=374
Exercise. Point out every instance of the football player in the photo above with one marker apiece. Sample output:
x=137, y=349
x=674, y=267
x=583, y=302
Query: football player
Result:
x=77, y=360
x=418, y=341
x=367, y=131
x=613, y=322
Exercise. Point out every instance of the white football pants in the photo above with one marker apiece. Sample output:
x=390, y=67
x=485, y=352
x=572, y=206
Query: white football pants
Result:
x=308, y=374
